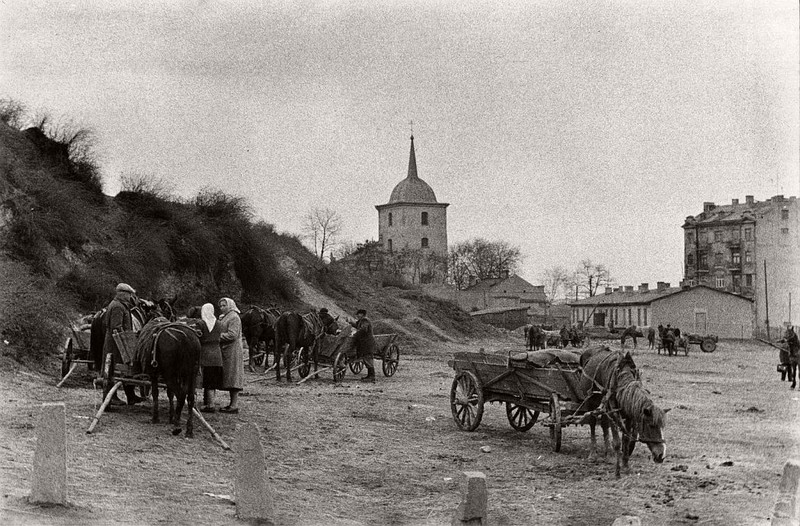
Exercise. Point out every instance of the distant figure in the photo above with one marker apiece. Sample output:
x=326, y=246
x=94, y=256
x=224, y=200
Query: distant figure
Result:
x=365, y=343
x=669, y=339
x=790, y=338
x=564, y=335
x=630, y=332
x=651, y=338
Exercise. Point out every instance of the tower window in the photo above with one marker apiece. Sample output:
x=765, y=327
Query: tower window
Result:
x=390, y=219
x=424, y=218
x=390, y=245
x=785, y=213
x=736, y=258
x=424, y=242
x=748, y=257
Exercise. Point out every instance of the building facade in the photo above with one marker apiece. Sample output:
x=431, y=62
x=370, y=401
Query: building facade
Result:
x=414, y=222
x=752, y=249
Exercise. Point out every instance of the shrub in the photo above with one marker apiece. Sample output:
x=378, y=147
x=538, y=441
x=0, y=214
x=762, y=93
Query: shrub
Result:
x=13, y=113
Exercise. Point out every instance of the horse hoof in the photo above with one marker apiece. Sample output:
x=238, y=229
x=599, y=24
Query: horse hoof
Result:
x=176, y=431
x=189, y=435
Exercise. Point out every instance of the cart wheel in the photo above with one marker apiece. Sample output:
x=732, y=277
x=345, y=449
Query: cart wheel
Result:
x=356, y=366
x=708, y=345
x=520, y=417
x=391, y=359
x=466, y=401
x=339, y=366
x=66, y=362
x=555, y=426
x=304, y=362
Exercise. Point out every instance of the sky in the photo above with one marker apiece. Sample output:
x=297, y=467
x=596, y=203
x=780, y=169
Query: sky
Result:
x=573, y=130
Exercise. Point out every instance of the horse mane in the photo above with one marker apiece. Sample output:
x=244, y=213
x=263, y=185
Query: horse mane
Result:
x=634, y=399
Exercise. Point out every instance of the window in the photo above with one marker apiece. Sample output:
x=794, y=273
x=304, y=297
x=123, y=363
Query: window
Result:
x=424, y=218
x=736, y=235
x=748, y=234
x=704, y=260
x=717, y=236
x=720, y=283
x=701, y=237
x=690, y=259
x=689, y=237
x=784, y=230
x=718, y=258
x=736, y=258
x=424, y=242
x=785, y=213
x=748, y=257
x=748, y=280
x=390, y=245
x=645, y=316
x=737, y=281
x=639, y=317
x=630, y=316
x=390, y=219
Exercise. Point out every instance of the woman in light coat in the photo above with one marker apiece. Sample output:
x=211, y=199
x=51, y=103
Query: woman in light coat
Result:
x=230, y=340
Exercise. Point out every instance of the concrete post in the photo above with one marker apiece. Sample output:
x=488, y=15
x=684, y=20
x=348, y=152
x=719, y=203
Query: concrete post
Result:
x=254, y=500
x=50, y=458
x=787, y=506
x=472, y=509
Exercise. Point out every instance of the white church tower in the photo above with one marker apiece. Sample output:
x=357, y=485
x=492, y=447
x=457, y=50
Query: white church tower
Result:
x=413, y=218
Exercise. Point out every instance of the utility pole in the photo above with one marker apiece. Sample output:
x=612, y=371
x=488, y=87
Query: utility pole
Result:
x=766, y=299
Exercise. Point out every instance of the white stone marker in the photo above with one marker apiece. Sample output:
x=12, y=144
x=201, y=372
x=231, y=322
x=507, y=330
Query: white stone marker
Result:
x=787, y=507
x=50, y=458
x=628, y=520
x=253, y=495
x=472, y=509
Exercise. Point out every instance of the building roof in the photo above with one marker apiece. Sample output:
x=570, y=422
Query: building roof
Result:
x=512, y=284
x=412, y=189
x=497, y=310
x=734, y=213
x=643, y=297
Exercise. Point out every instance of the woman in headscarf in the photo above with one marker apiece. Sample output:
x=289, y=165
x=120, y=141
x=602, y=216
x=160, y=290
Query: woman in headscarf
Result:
x=210, y=356
x=230, y=340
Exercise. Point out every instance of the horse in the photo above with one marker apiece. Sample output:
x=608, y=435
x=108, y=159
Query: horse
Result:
x=551, y=338
x=166, y=308
x=534, y=337
x=612, y=389
x=293, y=332
x=258, y=325
x=171, y=350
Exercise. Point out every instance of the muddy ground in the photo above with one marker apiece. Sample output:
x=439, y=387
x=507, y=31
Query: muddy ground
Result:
x=390, y=453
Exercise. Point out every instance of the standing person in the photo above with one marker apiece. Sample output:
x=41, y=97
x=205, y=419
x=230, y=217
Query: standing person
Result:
x=563, y=334
x=328, y=322
x=230, y=340
x=791, y=338
x=118, y=319
x=365, y=343
x=630, y=332
x=651, y=338
x=210, y=356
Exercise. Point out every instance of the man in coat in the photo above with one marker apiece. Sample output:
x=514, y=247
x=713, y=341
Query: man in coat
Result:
x=365, y=343
x=330, y=325
x=118, y=319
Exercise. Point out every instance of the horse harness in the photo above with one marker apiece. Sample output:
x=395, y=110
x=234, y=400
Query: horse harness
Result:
x=172, y=329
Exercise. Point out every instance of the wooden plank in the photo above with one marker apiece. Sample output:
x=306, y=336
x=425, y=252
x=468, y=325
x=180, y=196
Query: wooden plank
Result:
x=315, y=373
x=71, y=369
x=103, y=406
x=199, y=415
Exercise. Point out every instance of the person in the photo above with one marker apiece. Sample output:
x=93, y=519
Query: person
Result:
x=328, y=322
x=651, y=338
x=118, y=319
x=791, y=359
x=669, y=339
x=630, y=332
x=564, y=336
x=365, y=343
x=210, y=356
x=230, y=340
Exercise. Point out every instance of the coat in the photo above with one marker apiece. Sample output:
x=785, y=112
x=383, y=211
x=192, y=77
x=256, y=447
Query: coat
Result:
x=210, y=351
x=117, y=318
x=230, y=340
x=364, y=338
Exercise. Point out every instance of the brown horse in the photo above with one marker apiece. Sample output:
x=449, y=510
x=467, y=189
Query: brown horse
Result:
x=171, y=350
x=258, y=325
x=613, y=390
x=294, y=332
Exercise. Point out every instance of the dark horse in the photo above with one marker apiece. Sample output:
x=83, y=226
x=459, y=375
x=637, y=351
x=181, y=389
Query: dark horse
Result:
x=534, y=337
x=615, y=395
x=294, y=332
x=171, y=350
x=142, y=312
x=258, y=325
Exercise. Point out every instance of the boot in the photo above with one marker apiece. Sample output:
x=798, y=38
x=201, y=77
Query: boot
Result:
x=370, y=376
x=130, y=394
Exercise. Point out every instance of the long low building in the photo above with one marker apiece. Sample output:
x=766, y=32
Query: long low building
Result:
x=697, y=309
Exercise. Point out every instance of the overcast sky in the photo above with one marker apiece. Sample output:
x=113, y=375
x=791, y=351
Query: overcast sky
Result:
x=574, y=130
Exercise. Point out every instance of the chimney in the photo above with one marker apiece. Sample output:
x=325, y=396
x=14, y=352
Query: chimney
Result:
x=661, y=285
x=777, y=198
x=748, y=199
x=608, y=290
x=734, y=201
x=618, y=289
x=708, y=206
x=685, y=284
x=628, y=288
x=644, y=287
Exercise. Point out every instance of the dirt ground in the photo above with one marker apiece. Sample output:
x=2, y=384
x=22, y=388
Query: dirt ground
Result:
x=390, y=453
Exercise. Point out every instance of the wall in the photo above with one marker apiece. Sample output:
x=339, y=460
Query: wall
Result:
x=727, y=315
x=407, y=228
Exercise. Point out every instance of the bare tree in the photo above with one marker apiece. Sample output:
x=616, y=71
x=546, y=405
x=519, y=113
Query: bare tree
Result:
x=483, y=259
x=590, y=277
x=321, y=227
x=555, y=280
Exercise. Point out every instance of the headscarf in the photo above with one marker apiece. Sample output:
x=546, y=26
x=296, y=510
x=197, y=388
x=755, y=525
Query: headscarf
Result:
x=232, y=305
x=207, y=314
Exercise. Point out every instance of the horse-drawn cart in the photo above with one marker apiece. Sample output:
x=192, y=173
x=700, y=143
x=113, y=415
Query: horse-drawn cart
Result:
x=707, y=343
x=76, y=352
x=528, y=384
x=338, y=353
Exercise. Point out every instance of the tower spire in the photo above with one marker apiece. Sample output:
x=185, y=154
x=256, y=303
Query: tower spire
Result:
x=412, y=162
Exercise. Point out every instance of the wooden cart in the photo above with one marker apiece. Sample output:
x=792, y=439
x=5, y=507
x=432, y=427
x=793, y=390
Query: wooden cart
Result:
x=526, y=389
x=76, y=352
x=338, y=353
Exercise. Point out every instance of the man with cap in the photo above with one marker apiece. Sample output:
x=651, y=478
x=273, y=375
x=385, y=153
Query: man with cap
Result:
x=330, y=325
x=365, y=343
x=118, y=319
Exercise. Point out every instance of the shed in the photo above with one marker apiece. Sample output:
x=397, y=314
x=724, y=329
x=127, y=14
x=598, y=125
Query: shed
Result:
x=506, y=317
